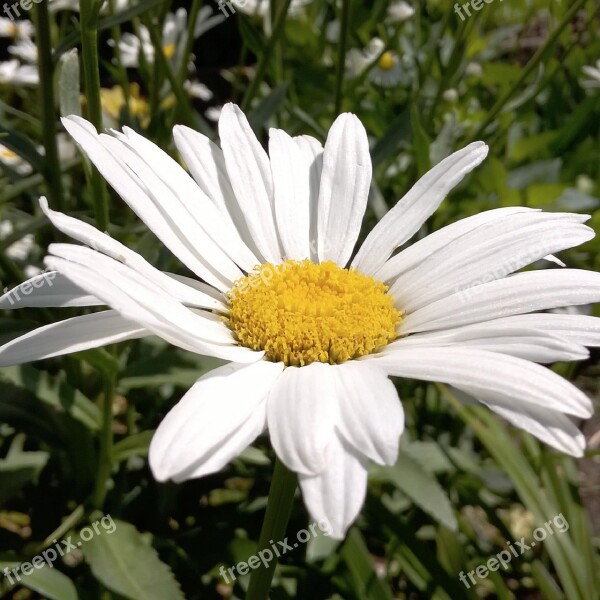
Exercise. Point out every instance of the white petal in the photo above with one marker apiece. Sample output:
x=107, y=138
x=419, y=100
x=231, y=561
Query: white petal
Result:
x=344, y=190
x=481, y=371
x=143, y=305
x=520, y=293
x=371, y=415
x=250, y=175
x=136, y=194
x=418, y=252
x=49, y=289
x=409, y=214
x=220, y=415
x=526, y=343
x=92, y=237
x=553, y=428
x=301, y=411
x=490, y=252
x=197, y=204
x=70, y=335
x=337, y=494
x=291, y=178
x=312, y=151
x=579, y=329
x=206, y=163
x=169, y=203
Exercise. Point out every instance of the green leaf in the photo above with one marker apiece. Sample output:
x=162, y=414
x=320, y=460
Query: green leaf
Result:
x=268, y=107
x=421, y=487
x=49, y=583
x=19, y=468
x=133, y=445
x=359, y=561
x=55, y=393
x=126, y=563
x=23, y=147
x=399, y=131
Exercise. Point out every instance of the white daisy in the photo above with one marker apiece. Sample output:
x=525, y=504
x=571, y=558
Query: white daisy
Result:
x=399, y=11
x=312, y=334
x=594, y=75
x=174, y=36
x=16, y=29
x=21, y=249
x=12, y=72
x=387, y=70
x=25, y=49
x=13, y=160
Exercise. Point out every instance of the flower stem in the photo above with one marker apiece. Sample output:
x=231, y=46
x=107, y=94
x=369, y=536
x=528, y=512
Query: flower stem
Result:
x=52, y=173
x=106, y=444
x=279, y=507
x=531, y=66
x=91, y=72
x=341, y=66
x=263, y=63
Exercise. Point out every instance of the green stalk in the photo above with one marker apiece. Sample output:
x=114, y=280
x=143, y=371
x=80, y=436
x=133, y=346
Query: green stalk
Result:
x=106, y=444
x=48, y=107
x=189, y=41
x=279, y=507
x=263, y=62
x=341, y=65
x=531, y=66
x=91, y=73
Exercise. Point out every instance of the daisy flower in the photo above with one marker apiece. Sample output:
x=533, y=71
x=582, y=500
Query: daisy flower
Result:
x=594, y=75
x=19, y=250
x=399, y=11
x=13, y=160
x=385, y=69
x=174, y=36
x=25, y=49
x=16, y=29
x=12, y=72
x=311, y=330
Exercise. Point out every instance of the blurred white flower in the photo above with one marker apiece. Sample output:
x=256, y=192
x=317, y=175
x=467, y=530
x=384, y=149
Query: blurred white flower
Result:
x=213, y=113
x=594, y=76
x=20, y=249
x=25, y=49
x=450, y=95
x=13, y=160
x=15, y=29
x=174, y=38
x=198, y=90
x=14, y=73
x=474, y=69
x=399, y=11
x=117, y=5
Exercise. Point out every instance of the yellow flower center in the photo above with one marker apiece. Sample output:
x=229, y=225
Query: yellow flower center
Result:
x=301, y=312
x=386, y=61
x=7, y=153
x=169, y=50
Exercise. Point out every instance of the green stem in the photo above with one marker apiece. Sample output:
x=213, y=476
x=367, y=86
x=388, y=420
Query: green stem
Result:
x=106, y=445
x=91, y=72
x=48, y=107
x=263, y=63
x=189, y=42
x=341, y=65
x=529, y=68
x=279, y=507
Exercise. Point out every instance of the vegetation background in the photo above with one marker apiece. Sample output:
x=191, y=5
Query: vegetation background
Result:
x=465, y=482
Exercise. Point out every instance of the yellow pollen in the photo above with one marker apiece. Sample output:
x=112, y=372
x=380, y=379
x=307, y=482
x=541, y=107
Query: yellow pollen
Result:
x=6, y=153
x=386, y=61
x=301, y=312
x=169, y=50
